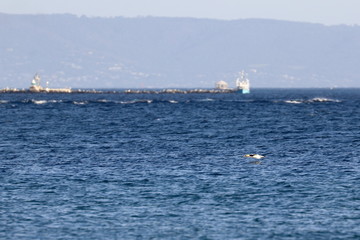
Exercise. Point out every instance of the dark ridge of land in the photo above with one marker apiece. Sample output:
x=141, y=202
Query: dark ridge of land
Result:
x=157, y=52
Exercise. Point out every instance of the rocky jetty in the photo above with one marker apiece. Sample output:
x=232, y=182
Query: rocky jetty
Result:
x=128, y=91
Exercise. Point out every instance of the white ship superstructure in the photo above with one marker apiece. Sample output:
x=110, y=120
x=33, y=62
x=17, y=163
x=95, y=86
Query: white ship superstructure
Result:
x=36, y=86
x=242, y=83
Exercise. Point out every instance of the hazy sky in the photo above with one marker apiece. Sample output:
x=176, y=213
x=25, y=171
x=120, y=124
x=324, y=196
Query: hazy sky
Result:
x=327, y=12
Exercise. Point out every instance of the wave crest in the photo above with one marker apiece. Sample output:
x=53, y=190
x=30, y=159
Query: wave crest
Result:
x=313, y=100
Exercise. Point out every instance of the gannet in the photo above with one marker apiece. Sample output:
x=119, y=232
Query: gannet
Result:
x=257, y=156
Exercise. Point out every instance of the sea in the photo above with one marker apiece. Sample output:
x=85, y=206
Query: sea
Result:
x=172, y=166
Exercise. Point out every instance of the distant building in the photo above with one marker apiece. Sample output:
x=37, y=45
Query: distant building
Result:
x=221, y=85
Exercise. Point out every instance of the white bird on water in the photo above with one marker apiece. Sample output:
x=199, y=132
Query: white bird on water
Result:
x=257, y=156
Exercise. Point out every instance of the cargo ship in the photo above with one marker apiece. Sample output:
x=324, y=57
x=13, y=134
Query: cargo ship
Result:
x=36, y=87
x=242, y=84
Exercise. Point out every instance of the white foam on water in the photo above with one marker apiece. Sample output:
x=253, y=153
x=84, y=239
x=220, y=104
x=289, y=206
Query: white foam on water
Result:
x=206, y=100
x=55, y=101
x=313, y=100
x=294, y=101
x=320, y=99
x=80, y=103
x=39, y=101
x=135, y=101
x=104, y=101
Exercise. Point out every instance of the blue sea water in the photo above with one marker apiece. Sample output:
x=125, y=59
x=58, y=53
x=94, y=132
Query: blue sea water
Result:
x=172, y=166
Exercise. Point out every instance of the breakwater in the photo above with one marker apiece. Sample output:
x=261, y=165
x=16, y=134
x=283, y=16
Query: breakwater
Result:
x=128, y=91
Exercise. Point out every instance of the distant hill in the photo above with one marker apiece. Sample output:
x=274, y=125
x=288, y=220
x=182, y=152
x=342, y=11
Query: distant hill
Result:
x=70, y=51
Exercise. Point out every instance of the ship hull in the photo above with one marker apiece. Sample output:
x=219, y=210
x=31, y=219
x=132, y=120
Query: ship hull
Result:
x=243, y=91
